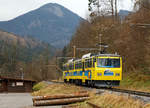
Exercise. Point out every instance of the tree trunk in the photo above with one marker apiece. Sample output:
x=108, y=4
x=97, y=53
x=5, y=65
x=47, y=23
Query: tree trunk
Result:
x=116, y=11
x=60, y=96
x=59, y=101
x=112, y=7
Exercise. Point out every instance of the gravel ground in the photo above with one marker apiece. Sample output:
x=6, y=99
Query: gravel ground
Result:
x=18, y=100
x=145, y=99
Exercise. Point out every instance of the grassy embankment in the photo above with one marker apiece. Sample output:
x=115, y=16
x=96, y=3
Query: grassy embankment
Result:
x=105, y=100
x=40, y=86
x=139, y=82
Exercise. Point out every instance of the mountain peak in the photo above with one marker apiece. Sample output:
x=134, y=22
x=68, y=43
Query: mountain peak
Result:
x=51, y=23
x=53, y=8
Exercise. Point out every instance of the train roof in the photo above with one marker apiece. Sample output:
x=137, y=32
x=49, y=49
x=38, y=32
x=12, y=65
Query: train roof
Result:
x=89, y=55
x=109, y=55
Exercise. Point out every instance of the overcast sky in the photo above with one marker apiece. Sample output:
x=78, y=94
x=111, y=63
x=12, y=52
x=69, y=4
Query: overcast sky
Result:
x=10, y=9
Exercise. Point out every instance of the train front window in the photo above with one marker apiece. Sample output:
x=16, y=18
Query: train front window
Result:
x=108, y=62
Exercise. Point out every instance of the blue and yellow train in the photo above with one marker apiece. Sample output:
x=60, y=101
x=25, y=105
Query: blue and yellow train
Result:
x=104, y=70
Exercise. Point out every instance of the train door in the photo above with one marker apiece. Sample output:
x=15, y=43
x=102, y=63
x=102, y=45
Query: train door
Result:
x=93, y=68
x=83, y=73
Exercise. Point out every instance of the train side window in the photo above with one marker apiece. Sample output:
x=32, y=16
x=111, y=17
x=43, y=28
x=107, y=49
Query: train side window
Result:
x=80, y=65
x=69, y=66
x=86, y=63
x=65, y=67
x=72, y=66
x=94, y=60
x=83, y=66
x=76, y=65
x=90, y=63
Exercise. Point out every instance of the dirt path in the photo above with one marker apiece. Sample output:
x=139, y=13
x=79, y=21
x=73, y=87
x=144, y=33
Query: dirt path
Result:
x=18, y=100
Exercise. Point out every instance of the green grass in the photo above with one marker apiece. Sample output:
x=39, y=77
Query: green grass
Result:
x=39, y=86
x=53, y=89
x=136, y=81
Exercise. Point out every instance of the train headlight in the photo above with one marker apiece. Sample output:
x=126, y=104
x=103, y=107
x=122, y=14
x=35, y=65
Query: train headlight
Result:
x=117, y=74
x=99, y=74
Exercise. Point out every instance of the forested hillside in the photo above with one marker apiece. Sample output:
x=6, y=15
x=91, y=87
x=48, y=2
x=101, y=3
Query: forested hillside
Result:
x=130, y=37
x=18, y=54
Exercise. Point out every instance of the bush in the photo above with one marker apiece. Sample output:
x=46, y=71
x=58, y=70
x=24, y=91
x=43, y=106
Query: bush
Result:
x=39, y=86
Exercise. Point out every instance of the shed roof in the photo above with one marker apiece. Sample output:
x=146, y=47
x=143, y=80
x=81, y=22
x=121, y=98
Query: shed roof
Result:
x=16, y=79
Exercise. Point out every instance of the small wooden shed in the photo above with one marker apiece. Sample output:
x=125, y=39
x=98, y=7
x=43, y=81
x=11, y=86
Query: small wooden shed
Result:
x=15, y=84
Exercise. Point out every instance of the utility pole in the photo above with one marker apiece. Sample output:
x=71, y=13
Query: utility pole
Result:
x=100, y=41
x=98, y=6
x=74, y=51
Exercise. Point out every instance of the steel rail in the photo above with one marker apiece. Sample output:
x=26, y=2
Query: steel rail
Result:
x=139, y=93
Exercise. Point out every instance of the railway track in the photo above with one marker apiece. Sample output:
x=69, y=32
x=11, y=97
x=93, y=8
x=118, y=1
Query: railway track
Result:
x=143, y=96
x=132, y=92
x=139, y=93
